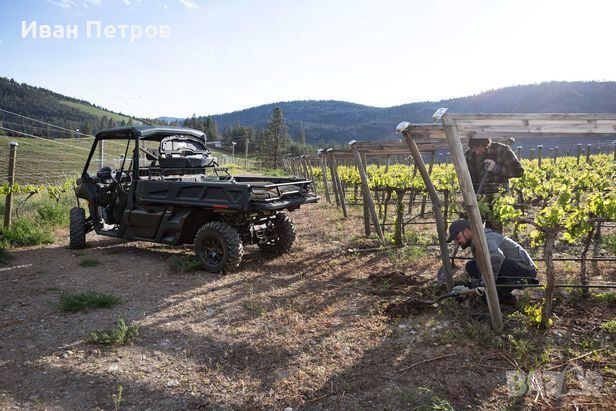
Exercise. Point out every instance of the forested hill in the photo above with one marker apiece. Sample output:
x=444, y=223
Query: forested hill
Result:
x=342, y=121
x=50, y=107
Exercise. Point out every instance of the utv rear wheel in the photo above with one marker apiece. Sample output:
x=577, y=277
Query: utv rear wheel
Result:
x=282, y=235
x=77, y=230
x=218, y=247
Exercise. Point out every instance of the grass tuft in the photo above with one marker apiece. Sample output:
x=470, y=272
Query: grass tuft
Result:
x=89, y=263
x=87, y=301
x=24, y=232
x=121, y=334
x=184, y=264
x=54, y=214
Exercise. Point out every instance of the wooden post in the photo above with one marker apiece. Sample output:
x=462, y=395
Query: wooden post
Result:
x=519, y=152
x=424, y=198
x=588, y=150
x=325, y=183
x=615, y=151
x=579, y=152
x=246, y=153
x=440, y=158
x=337, y=186
x=311, y=174
x=532, y=154
x=11, y=179
x=555, y=154
x=470, y=200
x=539, y=154
x=366, y=191
x=436, y=207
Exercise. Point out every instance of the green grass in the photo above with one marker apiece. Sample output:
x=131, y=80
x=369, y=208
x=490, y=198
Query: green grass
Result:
x=121, y=334
x=89, y=263
x=25, y=232
x=184, y=264
x=87, y=301
x=609, y=326
x=54, y=214
x=98, y=112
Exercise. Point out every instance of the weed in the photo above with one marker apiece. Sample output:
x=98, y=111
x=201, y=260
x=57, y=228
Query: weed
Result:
x=608, y=298
x=89, y=263
x=121, y=334
x=26, y=232
x=405, y=255
x=530, y=314
x=477, y=331
x=54, y=214
x=117, y=398
x=86, y=301
x=431, y=401
x=609, y=326
x=609, y=242
x=184, y=264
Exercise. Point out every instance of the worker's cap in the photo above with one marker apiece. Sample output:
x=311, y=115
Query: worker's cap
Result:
x=478, y=141
x=456, y=228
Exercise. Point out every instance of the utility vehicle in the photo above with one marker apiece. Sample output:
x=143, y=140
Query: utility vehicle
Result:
x=166, y=187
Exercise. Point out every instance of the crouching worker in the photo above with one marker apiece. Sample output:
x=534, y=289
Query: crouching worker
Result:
x=511, y=264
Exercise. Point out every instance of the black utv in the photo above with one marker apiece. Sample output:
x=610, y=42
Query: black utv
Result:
x=162, y=184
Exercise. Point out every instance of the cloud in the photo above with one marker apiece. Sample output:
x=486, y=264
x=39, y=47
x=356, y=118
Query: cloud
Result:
x=189, y=4
x=69, y=4
x=66, y=4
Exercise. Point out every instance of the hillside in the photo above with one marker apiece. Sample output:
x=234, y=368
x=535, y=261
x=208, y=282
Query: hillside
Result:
x=342, y=121
x=54, y=108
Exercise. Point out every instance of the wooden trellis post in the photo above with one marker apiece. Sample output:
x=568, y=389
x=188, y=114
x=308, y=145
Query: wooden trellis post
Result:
x=365, y=191
x=324, y=172
x=424, y=198
x=470, y=201
x=436, y=207
x=367, y=197
x=337, y=185
x=11, y=180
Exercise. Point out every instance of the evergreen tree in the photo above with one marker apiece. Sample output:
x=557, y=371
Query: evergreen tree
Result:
x=275, y=140
x=301, y=138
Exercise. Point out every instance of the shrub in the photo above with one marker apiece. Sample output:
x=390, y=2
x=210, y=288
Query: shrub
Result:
x=86, y=301
x=184, y=264
x=119, y=335
x=26, y=232
x=54, y=214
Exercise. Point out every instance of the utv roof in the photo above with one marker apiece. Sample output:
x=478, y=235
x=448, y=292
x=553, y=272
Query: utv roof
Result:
x=154, y=133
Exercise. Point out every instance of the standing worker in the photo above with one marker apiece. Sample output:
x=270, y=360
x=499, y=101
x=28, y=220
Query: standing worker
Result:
x=492, y=164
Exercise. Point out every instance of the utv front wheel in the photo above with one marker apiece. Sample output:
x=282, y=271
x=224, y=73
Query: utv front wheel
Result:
x=218, y=247
x=77, y=230
x=281, y=235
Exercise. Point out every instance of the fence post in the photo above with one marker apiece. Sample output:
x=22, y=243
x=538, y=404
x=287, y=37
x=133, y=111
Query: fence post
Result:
x=579, y=152
x=532, y=154
x=11, y=178
x=555, y=153
x=588, y=150
x=539, y=154
x=519, y=152
x=367, y=197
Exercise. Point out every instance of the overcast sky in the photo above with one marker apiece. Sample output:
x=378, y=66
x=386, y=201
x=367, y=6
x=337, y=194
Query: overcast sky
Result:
x=223, y=56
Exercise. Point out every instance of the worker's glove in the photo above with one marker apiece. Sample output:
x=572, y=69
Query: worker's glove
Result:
x=491, y=166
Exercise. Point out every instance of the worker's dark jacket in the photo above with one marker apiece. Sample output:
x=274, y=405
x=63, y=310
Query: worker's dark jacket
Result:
x=502, y=155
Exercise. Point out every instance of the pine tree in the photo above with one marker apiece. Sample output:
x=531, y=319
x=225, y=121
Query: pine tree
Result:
x=275, y=140
x=301, y=138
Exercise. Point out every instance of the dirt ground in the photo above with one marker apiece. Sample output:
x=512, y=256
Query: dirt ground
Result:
x=305, y=330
